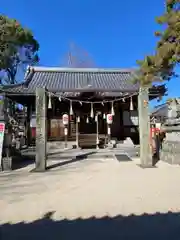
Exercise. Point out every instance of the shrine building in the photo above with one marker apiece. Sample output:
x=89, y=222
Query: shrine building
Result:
x=81, y=92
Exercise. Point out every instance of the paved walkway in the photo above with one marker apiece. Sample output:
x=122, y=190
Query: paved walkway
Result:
x=89, y=188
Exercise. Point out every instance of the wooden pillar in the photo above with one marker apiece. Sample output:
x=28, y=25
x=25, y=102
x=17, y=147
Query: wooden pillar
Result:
x=41, y=129
x=144, y=128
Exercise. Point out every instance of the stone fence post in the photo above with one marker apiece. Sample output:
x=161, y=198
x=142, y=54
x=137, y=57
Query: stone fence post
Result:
x=170, y=151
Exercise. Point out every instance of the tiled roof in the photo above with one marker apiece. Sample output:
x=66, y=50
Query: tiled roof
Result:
x=163, y=110
x=76, y=80
x=160, y=111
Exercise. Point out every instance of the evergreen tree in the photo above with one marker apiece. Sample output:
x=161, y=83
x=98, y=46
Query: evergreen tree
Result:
x=18, y=48
x=160, y=66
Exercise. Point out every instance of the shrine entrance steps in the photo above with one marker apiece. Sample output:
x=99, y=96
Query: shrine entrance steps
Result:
x=88, y=141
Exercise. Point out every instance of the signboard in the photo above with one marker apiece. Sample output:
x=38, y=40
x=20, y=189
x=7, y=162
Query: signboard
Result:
x=56, y=128
x=109, y=118
x=130, y=118
x=72, y=128
x=2, y=129
x=65, y=118
x=33, y=122
x=158, y=126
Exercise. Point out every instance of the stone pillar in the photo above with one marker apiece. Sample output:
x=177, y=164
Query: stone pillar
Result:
x=3, y=108
x=2, y=119
x=144, y=128
x=41, y=129
x=29, y=116
x=6, y=161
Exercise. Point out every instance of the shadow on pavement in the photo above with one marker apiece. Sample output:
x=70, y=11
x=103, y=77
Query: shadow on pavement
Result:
x=28, y=158
x=144, y=227
x=77, y=158
x=22, y=161
x=123, y=158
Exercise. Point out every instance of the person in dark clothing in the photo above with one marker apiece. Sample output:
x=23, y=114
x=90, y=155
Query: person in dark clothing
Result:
x=162, y=136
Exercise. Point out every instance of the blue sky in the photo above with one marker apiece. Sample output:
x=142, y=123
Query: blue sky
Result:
x=113, y=33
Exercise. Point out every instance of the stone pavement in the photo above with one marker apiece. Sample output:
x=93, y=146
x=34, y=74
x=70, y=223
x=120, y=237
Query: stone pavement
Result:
x=56, y=155
x=89, y=188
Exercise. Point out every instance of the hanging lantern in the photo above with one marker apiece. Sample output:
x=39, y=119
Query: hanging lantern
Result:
x=112, y=110
x=104, y=116
x=87, y=120
x=71, y=110
x=131, y=105
x=92, y=111
x=49, y=102
x=78, y=119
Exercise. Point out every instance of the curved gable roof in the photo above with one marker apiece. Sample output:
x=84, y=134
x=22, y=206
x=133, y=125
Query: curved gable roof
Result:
x=69, y=81
x=76, y=79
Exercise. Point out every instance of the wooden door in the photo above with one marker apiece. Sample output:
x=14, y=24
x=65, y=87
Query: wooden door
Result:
x=56, y=128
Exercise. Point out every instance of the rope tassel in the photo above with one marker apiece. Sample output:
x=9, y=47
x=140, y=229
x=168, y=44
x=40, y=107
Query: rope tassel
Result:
x=78, y=119
x=92, y=111
x=49, y=102
x=71, y=110
x=112, y=109
x=131, y=105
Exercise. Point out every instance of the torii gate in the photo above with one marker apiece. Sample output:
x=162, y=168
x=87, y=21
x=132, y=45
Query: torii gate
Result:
x=41, y=128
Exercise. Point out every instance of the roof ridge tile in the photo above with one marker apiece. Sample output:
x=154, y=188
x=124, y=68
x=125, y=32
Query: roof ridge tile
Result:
x=83, y=70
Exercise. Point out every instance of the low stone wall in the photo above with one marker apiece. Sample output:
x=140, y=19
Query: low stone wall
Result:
x=170, y=151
